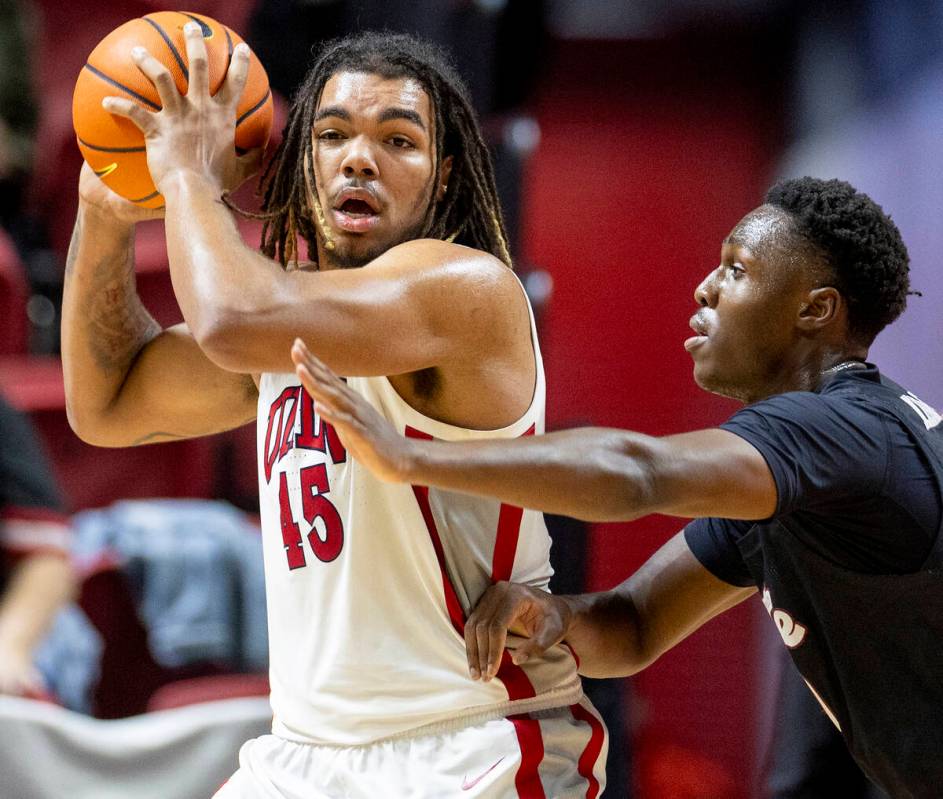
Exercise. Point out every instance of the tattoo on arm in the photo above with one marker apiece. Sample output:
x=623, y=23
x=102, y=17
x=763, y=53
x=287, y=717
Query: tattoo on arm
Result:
x=156, y=438
x=162, y=436
x=118, y=325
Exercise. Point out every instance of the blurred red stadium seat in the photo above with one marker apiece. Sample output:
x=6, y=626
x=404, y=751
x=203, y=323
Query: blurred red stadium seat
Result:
x=131, y=681
x=14, y=292
x=91, y=476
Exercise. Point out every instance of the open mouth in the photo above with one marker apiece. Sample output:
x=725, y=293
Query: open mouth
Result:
x=356, y=212
x=356, y=208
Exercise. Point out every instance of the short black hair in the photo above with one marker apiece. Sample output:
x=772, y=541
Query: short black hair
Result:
x=859, y=243
x=469, y=214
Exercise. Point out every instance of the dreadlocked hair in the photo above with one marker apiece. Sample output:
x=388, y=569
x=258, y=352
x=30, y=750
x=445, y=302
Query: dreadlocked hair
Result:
x=469, y=213
x=860, y=243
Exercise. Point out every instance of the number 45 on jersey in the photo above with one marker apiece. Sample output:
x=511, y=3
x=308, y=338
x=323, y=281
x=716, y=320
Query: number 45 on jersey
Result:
x=325, y=527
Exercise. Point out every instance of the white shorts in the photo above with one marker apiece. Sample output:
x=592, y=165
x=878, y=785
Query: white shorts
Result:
x=551, y=754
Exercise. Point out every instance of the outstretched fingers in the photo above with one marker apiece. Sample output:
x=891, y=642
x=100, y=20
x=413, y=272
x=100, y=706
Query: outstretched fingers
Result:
x=129, y=109
x=197, y=62
x=159, y=75
x=336, y=401
x=327, y=388
x=236, y=77
x=368, y=436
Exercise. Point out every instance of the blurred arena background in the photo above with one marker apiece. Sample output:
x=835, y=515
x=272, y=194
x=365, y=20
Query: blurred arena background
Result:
x=629, y=138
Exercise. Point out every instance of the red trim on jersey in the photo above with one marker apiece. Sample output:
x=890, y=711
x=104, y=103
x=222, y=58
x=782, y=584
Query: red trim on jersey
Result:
x=34, y=514
x=451, y=598
x=591, y=753
x=509, y=531
x=505, y=545
x=456, y=614
x=529, y=738
x=516, y=681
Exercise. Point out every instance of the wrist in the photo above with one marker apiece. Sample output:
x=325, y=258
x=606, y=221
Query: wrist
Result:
x=95, y=217
x=180, y=182
x=413, y=462
x=574, y=609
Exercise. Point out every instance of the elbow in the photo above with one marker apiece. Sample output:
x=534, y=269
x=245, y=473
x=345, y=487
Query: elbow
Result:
x=89, y=425
x=626, y=468
x=223, y=337
x=612, y=636
x=96, y=425
x=639, y=464
x=96, y=435
x=617, y=660
x=611, y=671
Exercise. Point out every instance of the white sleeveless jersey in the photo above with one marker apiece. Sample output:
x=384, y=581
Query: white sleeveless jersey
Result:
x=368, y=584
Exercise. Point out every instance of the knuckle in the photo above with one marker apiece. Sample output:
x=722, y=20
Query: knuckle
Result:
x=164, y=80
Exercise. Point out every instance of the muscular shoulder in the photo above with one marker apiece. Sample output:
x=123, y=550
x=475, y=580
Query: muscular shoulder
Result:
x=459, y=285
x=821, y=448
x=448, y=261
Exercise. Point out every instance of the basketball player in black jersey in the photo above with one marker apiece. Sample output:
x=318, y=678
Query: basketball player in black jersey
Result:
x=822, y=496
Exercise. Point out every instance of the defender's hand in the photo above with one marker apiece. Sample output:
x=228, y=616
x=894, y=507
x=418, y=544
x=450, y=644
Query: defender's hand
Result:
x=194, y=133
x=367, y=436
x=94, y=193
x=542, y=618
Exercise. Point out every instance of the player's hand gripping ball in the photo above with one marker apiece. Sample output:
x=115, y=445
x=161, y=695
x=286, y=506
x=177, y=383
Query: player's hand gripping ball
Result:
x=112, y=145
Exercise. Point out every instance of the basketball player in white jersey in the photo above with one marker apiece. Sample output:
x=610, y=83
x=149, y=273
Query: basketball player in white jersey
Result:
x=384, y=173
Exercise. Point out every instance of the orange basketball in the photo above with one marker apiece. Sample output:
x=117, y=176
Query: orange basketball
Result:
x=112, y=145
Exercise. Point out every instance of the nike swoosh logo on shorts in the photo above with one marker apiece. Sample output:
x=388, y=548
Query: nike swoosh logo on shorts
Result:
x=467, y=786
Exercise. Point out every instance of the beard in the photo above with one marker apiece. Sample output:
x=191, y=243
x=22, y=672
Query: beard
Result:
x=351, y=257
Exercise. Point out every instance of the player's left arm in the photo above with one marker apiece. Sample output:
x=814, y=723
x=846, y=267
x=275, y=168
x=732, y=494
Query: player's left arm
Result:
x=420, y=304
x=615, y=633
x=597, y=474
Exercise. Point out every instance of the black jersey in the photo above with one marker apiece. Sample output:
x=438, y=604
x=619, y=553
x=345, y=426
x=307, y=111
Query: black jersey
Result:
x=849, y=566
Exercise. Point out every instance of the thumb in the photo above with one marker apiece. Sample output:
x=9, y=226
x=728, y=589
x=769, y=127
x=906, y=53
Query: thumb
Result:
x=544, y=637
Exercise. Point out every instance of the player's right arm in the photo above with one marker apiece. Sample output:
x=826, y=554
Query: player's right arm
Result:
x=593, y=473
x=127, y=380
